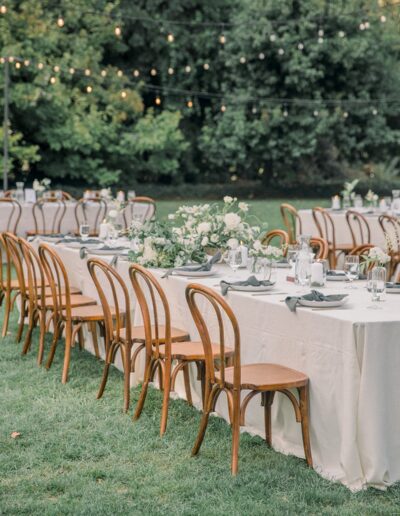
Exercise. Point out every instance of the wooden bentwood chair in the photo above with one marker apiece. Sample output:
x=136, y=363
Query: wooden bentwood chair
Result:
x=47, y=222
x=359, y=228
x=140, y=208
x=14, y=214
x=291, y=220
x=391, y=231
x=276, y=237
x=94, y=216
x=264, y=379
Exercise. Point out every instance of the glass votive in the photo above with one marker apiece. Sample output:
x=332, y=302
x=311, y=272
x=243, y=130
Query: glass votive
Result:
x=319, y=269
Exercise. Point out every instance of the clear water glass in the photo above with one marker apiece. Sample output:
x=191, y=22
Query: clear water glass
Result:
x=131, y=194
x=234, y=259
x=351, y=269
x=84, y=231
x=378, y=286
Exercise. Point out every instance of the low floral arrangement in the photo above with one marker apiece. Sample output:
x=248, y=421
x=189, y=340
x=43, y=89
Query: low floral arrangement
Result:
x=41, y=186
x=371, y=198
x=268, y=252
x=348, y=189
x=376, y=257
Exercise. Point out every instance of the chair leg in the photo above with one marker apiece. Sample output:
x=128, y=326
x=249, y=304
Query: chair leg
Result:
x=167, y=389
x=7, y=309
x=127, y=376
x=67, y=352
x=22, y=319
x=56, y=336
x=145, y=386
x=209, y=403
x=266, y=400
x=93, y=330
x=81, y=339
x=42, y=326
x=108, y=360
x=305, y=423
x=235, y=432
x=28, y=336
x=186, y=378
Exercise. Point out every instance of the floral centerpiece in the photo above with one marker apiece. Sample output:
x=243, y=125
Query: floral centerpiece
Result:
x=264, y=257
x=348, y=189
x=371, y=198
x=375, y=257
x=212, y=226
x=41, y=186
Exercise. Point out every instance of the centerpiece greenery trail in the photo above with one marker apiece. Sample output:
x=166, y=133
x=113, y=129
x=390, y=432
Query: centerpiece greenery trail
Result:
x=348, y=189
x=192, y=232
x=376, y=257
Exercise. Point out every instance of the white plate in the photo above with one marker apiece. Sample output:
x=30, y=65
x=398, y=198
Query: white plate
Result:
x=393, y=290
x=336, y=278
x=107, y=252
x=250, y=288
x=195, y=274
x=323, y=304
x=78, y=245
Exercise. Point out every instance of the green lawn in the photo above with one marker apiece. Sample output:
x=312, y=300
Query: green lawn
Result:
x=82, y=456
x=265, y=210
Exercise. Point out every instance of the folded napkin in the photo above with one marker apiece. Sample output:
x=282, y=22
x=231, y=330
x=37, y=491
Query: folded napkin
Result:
x=73, y=240
x=83, y=252
x=335, y=273
x=196, y=268
x=252, y=281
x=314, y=295
x=392, y=284
x=110, y=248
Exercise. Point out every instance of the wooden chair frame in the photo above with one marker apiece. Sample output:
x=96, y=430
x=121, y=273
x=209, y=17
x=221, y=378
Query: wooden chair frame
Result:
x=148, y=214
x=391, y=225
x=280, y=234
x=322, y=245
x=216, y=382
x=41, y=220
x=291, y=219
x=81, y=217
x=16, y=211
x=358, y=224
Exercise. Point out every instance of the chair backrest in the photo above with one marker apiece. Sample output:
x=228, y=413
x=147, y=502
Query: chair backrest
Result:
x=154, y=308
x=325, y=225
x=391, y=227
x=280, y=237
x=57, y=278
x=14, y=260
x=320, y=247
x=362, y=250
x=48, y=215
x=291, y=220
x=14, y=215
x=139, y=208
x=34, y=272
x=90, y=211
x=227, y=323
x=58, y=194
x=113, y=292
x=359, y=228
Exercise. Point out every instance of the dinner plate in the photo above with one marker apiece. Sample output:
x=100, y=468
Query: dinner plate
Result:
x=78, y=245
x=323, y=304
x=395, y=289
x=337, y=278
x=252, y=288
x=107, y=252
x=195, y=274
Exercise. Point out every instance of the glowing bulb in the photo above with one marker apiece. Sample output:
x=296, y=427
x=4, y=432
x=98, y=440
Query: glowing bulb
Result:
x=300, y=46
x=281, y=51
x=272, y=38
x=261, y=56
x=17, y=65
x=89, y=89
x=158, y=101
x=367, y=25
x=170, y=38
x=320, y=40
x=170, y=71
x=11, y=59
x=374, y=111
x=316, y=113
x=341, y=34
x=2, y=60
x=120, y=73
x=320, y=33
x=153, y=72
x=56, y=68
x=345, y=114
x=254, y=110
x=123, y=94
x=383, y=18
x=223, y=108
x=71, y=71
x=362, y=26
x=53, y=80
x=188, y=69
x=87, y=72
x=40, y=66
x=27, y=62
x=60, y=22
x=222, y=39
x=206, y=66
x=242, y=60
x=3, y=9
x=136, y=73
x=103, y=73
x=189, y=104
x=285, y=113
x=117, y=31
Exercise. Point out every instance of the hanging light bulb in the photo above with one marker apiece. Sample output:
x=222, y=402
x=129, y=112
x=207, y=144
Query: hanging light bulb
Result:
x=341, y=34
x=153, y=72
x=11, y=59
x=120, y=73
x=254, y=110
x=320, y=40
x=345, y=114
x=158, y=101
x=242, y=60
x=362, y=26
x=188, y=69
x=170, y=71
x=27, y=62
x=223, y=108
x=103, y=73
x=374, y=111
x=272, y=38
x=281, y=51
x=261, y=56
x=367, y=25
x=190, y=104
x=383, y=18
x=87, y=72
x=71, y=71
x=60, y=22
x=136, y=73
x=285, y=113
x=40, y=66
x=89, y=89
x=170, y=38
x=222, y=39
x=3, y=9
x=321, y=33
x=300, y=46
x=117, y=31
x=206, y=66
x=56, y=68
x=53, y=80
x=2, y=60
x=316, y=113
x=17, y=65
x=123, y=94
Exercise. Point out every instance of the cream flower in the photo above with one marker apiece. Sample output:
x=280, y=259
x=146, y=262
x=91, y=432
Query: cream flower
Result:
x=232, y=243
x=204, y=227
x=204, y=241
x=243, y=206
x=228, y=199
x=232, y=220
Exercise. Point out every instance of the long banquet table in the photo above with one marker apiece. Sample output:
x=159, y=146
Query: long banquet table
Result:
x=351, y=355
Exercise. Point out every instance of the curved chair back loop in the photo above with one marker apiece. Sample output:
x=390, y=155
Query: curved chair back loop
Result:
x=15, y=260
x=112, y=291
x=154, y=309
x=196, y=295
x=391, y=227
x=362, y=251
x=291, y=220
x=325, y=225
x=48, y=221
x=90, y=211
x=34, y=272
x=139, y=208
x=15, y=213
x=359, y=228
x=320, y=247
x=276, y=235
x=57, y=278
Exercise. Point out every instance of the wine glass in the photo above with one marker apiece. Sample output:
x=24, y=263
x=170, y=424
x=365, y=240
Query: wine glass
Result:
x=84, y=231
x=378, y=286
x=351, y=269
x=234, y=259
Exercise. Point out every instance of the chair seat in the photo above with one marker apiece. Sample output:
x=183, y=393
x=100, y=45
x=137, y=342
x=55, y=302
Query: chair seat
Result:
x=88, y=313
x=76, y=300
x=14, y=284
x=264, y=377
x=137, y=333
x=192, y=351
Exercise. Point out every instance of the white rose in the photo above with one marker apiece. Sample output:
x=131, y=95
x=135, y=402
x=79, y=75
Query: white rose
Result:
x=171, y=216
x=232, y=220
x=243, y=206
x=257, y=245
x=214, y=238
x=204, y=227
x=228, y=199
x=113, y=214
x=204, y=241
x=232, y=243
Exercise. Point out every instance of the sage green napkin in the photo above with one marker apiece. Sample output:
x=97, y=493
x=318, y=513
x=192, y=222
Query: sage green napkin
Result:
x=252, y=281
x=196, y=268
x=314, y=295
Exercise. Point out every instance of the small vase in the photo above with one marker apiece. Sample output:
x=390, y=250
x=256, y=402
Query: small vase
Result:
x=379, y=270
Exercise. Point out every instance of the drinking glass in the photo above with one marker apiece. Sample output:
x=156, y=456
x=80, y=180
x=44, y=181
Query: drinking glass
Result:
x=358, y=201
x=378, y=286
x=234, y=259
x=84, y=231
x=291, y=254
x=131, y=194
x=351, y=269
x=114, y=230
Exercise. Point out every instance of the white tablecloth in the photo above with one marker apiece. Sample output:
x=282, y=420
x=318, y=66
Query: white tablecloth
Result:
x=352, y=357
x=342, y=232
